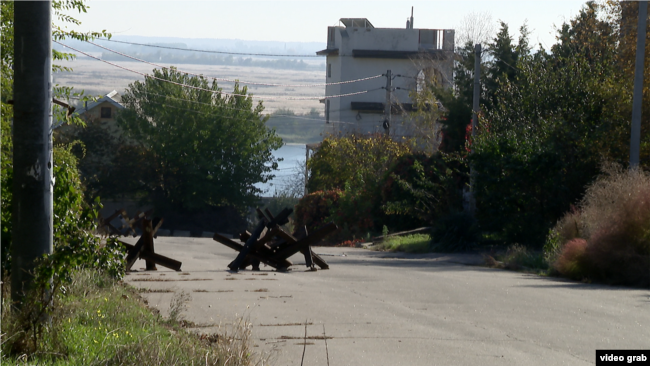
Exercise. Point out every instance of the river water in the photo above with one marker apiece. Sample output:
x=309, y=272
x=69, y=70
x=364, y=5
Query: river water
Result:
x=291, y=154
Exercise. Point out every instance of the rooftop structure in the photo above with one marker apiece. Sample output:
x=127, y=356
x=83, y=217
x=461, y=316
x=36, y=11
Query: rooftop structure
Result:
x=356, y=49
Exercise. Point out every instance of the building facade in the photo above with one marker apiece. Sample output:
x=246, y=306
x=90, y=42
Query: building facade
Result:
x=357, y=50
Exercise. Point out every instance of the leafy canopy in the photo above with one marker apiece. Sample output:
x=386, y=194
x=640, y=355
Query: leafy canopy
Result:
x=194, y=148
x=548, y=129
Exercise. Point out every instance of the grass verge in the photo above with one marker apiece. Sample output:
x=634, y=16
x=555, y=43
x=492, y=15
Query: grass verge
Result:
x=518, y=258
x=99, y=321
x=416, y=243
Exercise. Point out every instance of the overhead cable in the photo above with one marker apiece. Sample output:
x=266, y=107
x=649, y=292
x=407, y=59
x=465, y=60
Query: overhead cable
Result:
x=236, y=80
x=268, y=97
x=208, y=51
x=219, y=114
x=271, y=115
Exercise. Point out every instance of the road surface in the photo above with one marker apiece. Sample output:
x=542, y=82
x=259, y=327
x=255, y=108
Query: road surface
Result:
x=395, y=309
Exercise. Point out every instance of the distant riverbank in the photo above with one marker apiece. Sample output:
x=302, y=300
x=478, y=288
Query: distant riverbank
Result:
x=292, y=154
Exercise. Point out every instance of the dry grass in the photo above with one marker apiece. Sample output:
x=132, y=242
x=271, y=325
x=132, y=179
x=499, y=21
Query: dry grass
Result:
x=518, y=258
x=607, y=238
x=98, y=78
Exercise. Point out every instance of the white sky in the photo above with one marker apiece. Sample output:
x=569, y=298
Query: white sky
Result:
x=306, y=21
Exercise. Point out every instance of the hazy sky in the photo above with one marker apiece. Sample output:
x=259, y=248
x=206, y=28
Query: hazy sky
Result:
x=306, y=21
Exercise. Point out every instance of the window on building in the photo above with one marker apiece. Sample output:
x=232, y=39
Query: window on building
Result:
x=106, y=112
x=327, y=111
x=329, y=70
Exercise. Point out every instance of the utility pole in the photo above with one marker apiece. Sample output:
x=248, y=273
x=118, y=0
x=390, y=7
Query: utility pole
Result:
x=470, y=201
x=635, y=135
x=477, y=89
x=32, y=139
x=387, y=106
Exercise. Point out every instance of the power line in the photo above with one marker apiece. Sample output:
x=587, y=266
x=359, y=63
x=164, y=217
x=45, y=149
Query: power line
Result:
x=214, y=91
x=219, y=114
x=208, y=51
x=240, y=109
x=235, y=80
x=245, y=110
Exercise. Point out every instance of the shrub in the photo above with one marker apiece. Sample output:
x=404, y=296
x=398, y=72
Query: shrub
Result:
x=341, y=159
x=347, y=168
x=517, y=257
x=572, y=261
x=349, y=209
x=354, y=213
x=612, y=223
x=419, y=189
x=314, y=209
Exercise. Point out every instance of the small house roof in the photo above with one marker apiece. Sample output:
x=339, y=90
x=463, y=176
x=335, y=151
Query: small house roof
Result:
x=112, y=97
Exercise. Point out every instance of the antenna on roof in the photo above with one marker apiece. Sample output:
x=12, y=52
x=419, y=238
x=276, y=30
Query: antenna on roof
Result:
x=411, y=17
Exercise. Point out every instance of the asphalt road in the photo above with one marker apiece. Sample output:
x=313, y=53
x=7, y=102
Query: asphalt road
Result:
x=387, y=309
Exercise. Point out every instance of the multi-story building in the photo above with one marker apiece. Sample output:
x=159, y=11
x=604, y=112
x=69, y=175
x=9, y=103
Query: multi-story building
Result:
x=357, y=50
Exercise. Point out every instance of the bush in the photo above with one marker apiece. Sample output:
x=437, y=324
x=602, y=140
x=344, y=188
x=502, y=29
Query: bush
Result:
x=344, y=176
x=314, y=209
x=419, y=189
x=341, y=159
x=607, y=238
x=350, y=210
x=572, y=261
x=518, y=258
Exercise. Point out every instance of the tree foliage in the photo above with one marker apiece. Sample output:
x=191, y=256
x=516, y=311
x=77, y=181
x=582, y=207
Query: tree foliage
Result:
x=342, y=159
x=548, y=129
x=419, y=189
x=194, y=148
x=74, y=219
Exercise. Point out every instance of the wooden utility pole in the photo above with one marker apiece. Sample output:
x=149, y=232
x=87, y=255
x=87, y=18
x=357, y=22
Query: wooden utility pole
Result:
x=477, y=89
x=387, y=106
x=470, y=201
x=32, y=139
x=635, y=135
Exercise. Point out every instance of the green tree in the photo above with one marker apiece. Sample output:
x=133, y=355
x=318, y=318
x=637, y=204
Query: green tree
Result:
x=548, y=130
x=198, y=148
x=353, y=159
x=498, y=63
x=502, y=57
x=458, y=101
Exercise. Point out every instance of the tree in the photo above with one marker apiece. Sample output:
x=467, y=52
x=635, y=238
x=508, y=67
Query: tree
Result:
x=197, y=147
x=475, y=28
x=498, y=62
x=503, y=56
x=543, y=138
